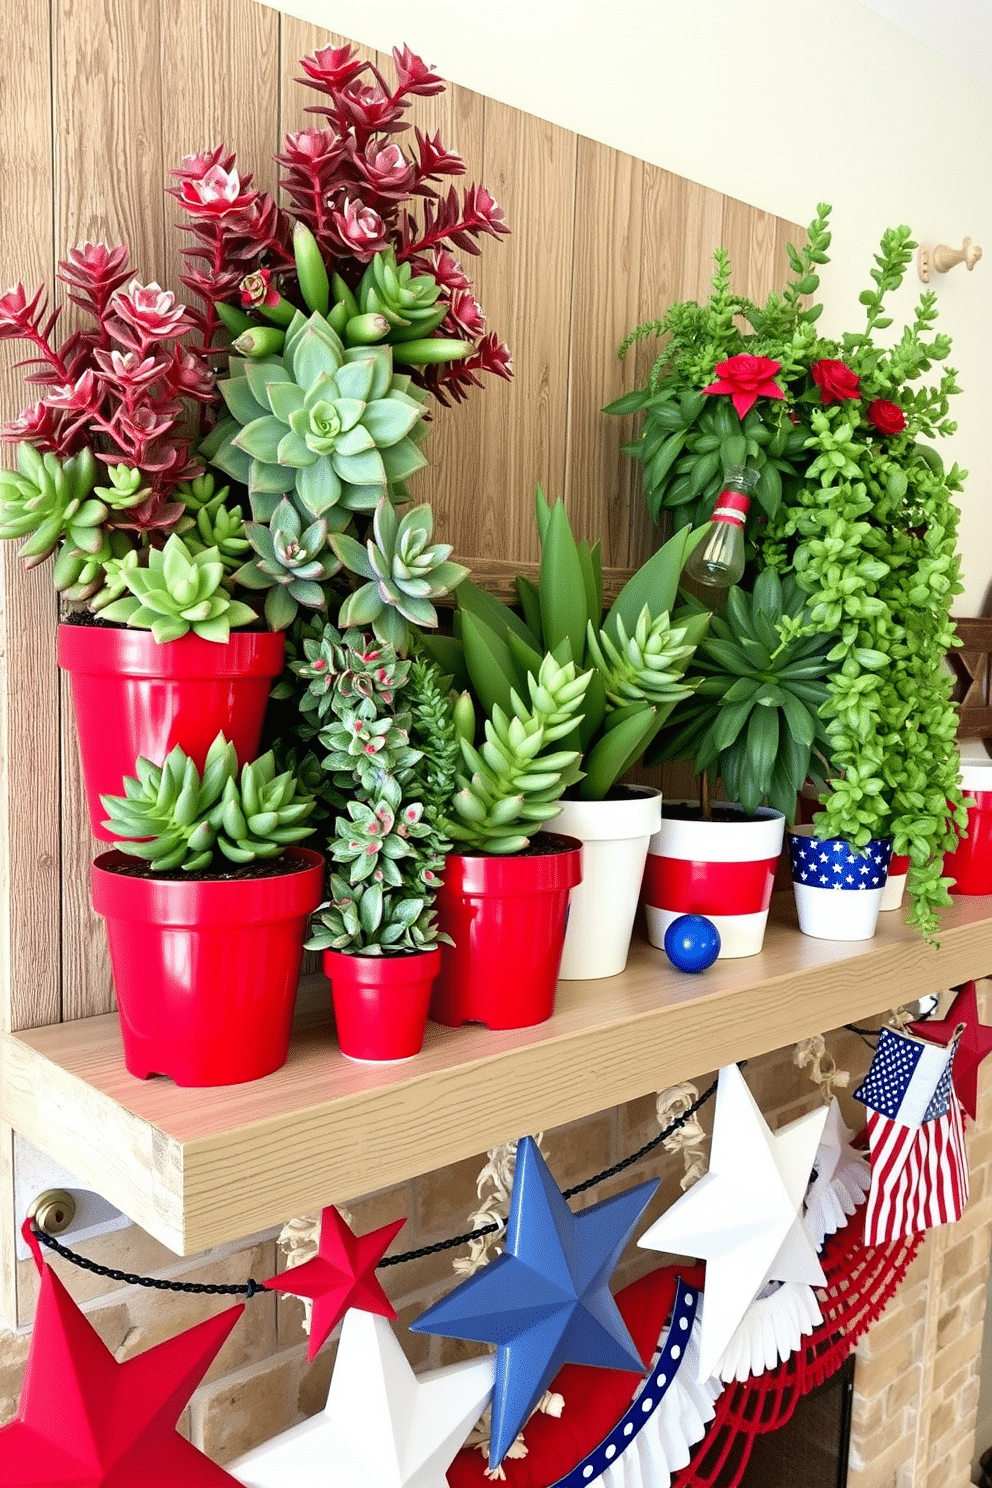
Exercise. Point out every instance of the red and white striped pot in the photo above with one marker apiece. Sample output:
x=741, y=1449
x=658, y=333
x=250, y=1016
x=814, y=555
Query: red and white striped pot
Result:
x=721, y=869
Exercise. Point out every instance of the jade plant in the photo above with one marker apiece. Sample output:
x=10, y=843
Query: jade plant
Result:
x=753, y=721
x=635, y=657
x=385, y=723
x=853, y=502
x=184, y=820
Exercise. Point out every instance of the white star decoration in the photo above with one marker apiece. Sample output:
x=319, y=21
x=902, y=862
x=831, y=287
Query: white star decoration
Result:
x=743, y=1217
x=383, y=1426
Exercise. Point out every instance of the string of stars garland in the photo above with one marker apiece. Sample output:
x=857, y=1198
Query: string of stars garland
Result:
x=251, y=1287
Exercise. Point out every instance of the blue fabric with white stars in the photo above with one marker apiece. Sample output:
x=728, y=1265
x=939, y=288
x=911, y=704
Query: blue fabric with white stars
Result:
x=835, y=864
x=890, y=1077
x=646, y=1402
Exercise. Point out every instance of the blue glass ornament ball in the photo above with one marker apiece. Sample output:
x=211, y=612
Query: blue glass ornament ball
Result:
x=692, y=943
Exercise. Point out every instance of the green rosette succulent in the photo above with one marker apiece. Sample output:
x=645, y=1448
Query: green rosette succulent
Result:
x=407, y=301
x=333, y=428
x=346, y=670
x=48, y=501
x=210, y=523
x=178, y=592
x=185, y=820
x=405, y=570
x=293, y=564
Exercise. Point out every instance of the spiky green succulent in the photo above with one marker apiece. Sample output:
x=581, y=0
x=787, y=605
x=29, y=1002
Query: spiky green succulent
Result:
x=405, y=572
x=210, y=523
x=48, y=501
x=647, y=666
x=185, y=820
x=389, y=836
x=514, y=785
x=345, y=670
x=407, y=301
x=333, y=428
x=637, y=654
x=178, y=592
x=755, y=719
x=293, y=564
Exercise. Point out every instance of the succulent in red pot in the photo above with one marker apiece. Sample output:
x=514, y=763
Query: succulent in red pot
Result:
x=206, y=904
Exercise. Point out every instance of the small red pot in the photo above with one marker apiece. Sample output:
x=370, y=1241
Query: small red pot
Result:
x=507, y=919
x=970, y=864
x=380, y=1002
x=134, y=696
x=206, y=971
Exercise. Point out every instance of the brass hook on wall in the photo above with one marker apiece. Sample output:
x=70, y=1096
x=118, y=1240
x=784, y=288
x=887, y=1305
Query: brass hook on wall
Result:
x=940, y=259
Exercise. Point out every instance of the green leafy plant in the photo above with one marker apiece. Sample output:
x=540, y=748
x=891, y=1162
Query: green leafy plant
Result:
x=391, y=753
x=852, y=502
x=178, y=592
x=514, y=784
x=753, y=720
x=636, y=656
x=194, y=822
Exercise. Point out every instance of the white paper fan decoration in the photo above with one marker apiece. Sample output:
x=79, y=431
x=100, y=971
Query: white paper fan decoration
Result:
x=771, y=1330
x=667, y=1416
x=843, y=1178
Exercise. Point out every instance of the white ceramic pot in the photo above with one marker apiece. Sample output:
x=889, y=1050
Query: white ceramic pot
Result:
x=895, y=883
x=614, y=836
x=721, y=869
x=838, y=887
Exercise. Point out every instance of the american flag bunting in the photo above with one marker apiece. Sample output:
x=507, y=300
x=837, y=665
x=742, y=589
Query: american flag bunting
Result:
x=919, y=1163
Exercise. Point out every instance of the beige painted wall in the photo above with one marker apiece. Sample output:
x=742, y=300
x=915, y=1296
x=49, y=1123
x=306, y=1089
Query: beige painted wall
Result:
x=781, y=105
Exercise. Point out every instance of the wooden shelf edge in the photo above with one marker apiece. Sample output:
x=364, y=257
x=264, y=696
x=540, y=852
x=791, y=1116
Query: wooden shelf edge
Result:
x=199, y=1168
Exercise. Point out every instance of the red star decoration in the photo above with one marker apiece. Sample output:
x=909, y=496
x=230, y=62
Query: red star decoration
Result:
x=975, y=1044
x=86, y=1421
x=341, y=1275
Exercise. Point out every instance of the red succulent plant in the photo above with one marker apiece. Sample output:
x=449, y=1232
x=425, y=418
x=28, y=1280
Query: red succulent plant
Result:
x=361, y=186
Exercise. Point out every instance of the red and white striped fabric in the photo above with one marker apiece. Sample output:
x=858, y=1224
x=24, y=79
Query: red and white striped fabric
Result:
x=919, y=1162
x=721, y=869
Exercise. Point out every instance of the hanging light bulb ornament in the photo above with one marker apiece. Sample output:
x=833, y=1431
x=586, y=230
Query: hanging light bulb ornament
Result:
x=718, y=561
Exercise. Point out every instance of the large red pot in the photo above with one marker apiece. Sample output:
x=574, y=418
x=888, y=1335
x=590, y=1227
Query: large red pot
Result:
x=380, y=1002
x=134, y=696
x=206, y=970
x=507, y=919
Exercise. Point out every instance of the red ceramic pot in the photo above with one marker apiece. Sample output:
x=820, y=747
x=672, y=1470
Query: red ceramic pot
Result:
x=206, y=970
x=380, y=1002
x=507, y=919
x=134, y=696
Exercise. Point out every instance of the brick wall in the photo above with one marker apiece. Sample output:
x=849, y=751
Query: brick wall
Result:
x=917, y=1379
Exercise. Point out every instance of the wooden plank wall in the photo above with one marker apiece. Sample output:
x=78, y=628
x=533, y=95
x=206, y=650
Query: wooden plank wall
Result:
x=99, y=98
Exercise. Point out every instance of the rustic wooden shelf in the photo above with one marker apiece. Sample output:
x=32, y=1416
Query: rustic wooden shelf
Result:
x=200, y=1167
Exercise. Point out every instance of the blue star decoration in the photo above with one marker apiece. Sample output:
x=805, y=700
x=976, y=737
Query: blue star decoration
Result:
x=546, y=1300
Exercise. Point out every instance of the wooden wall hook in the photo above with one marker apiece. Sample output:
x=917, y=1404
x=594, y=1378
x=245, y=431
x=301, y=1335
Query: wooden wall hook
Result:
x=942, y=258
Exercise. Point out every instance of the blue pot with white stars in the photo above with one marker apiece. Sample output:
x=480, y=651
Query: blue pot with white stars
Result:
x=838, y=887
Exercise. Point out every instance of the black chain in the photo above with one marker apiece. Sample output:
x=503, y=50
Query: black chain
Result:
x=251, y=1287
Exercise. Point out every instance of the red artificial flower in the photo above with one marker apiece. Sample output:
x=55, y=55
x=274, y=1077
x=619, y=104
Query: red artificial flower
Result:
x=446, y=270
x=258, y=289
x=17, y=313
x=835, y=380
x=331, y=68
x=465, y=314
x=79, y=397
x=368, y=107
x=38, y=425
x=414, y=76
x=154, y=313
x=362, y=229
x=886, y=417
x=386, y=169
x=745, y=379
x=214, y=193
x=435, y=160
x=94, y=271
x=127, y=369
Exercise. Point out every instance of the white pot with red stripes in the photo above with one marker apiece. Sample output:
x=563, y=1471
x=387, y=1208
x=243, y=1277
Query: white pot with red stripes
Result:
x=722, y=869
x=614, y=836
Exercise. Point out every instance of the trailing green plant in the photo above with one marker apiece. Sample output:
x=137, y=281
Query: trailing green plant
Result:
x=754, y=720
x=387, y=726
x=514, y=783
x=860, y=510
x=194, y=822
x=178, y=592
x=636, y=656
